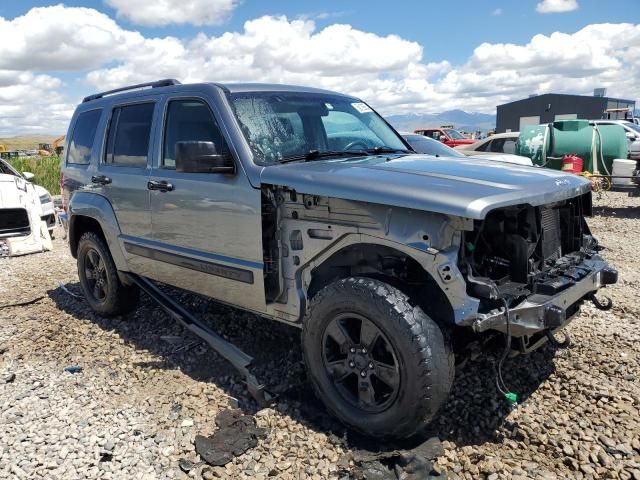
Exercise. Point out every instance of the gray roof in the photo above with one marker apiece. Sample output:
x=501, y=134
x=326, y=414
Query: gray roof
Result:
x=568, y=95
x=173, y=85
x=274, y=87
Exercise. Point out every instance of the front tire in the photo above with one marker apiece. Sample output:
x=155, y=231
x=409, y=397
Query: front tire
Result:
x=102, y=288
x=380, y=365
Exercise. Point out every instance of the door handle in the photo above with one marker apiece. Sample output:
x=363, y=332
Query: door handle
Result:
x=100, y=179
x=160, y=185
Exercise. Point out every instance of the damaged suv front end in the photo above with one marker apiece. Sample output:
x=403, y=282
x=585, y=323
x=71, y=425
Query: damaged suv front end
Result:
x=23, y=227
x=532, y=268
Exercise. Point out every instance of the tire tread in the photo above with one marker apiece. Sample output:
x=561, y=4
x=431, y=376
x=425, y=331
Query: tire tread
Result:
x=434, y=367
x=124, y=299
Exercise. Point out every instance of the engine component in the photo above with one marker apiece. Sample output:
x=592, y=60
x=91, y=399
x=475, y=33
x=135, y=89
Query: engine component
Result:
x=527, y=249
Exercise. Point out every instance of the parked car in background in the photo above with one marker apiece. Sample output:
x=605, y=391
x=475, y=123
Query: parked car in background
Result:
x=632, y=131
x=47, y=213
x=429, y=146
x=46, y=203
x=448, y=136
x=23, y=209
x=634, y=150
x=497, y=143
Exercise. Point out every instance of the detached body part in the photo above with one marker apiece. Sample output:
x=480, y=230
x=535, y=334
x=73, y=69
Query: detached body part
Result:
x=305, y=206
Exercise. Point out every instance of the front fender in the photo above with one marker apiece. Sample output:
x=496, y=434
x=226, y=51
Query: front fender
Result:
x=96, y=207
x=441, y=265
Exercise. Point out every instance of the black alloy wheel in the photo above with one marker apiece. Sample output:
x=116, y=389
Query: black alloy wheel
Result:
x=379, y=363
x=361, y=362
x=96, y=275
x=99, y=279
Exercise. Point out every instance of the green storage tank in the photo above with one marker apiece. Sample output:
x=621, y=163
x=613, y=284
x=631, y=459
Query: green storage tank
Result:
x=573, y=136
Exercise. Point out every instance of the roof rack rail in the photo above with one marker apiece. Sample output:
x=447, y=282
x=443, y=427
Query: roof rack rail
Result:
x=167, y=82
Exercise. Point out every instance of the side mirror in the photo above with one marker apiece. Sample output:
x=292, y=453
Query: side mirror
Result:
x=632, y=136
x=442, y=138
x=202, y=157
x=28, y=176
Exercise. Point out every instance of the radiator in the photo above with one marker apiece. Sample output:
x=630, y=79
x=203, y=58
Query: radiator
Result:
x=551, y=242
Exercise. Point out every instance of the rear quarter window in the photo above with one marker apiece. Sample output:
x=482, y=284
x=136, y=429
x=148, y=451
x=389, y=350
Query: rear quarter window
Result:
x=83, y=137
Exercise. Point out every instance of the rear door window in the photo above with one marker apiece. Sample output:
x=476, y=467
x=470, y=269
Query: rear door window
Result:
x=128, y=137
x=83, y=136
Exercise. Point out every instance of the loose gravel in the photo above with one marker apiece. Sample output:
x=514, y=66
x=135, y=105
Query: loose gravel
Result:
x=146, y=388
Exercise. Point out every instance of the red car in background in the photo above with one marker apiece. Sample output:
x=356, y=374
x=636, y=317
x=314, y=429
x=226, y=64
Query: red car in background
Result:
x=448, y=136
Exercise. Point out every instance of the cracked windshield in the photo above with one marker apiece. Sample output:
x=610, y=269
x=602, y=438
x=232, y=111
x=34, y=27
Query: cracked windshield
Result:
x=281, y=127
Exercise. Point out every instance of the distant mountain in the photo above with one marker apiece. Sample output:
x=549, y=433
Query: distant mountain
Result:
x=461, y=120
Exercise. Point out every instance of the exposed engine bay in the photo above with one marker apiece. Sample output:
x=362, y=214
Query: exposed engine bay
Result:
x=22, y=228
x=523, y=250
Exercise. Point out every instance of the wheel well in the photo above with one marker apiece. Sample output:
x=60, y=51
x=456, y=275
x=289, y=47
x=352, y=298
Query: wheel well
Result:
x=78, y=227
x=391, y=266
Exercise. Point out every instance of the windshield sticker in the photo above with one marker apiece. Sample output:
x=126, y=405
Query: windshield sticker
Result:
x=329, y=106
x=361, y=107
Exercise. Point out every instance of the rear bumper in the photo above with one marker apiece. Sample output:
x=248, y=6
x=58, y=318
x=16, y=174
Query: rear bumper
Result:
x=539, y=312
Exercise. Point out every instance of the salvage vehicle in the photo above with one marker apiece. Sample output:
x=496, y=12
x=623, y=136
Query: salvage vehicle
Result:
x=27, y=215
x=496, y=143
x=48, y=211
x=429, y=146
x=304, y=206
x=632, y=132
x=447, y=135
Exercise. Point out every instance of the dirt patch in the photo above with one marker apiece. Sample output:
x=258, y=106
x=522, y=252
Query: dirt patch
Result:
x=146, y=388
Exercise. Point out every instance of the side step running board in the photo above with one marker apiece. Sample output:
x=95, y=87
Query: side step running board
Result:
x=239, y=359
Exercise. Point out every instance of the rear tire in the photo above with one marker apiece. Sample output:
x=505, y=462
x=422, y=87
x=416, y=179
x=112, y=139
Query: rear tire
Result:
x=380, y=365
x=102, y=288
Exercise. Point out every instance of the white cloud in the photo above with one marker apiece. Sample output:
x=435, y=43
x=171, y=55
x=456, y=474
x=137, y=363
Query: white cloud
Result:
x=497, y=12
x=166, y=12
x=31, y=103
x=387, y=71
x=271, y=49
x=598, y=55
x=557, y=6
x=62, y=38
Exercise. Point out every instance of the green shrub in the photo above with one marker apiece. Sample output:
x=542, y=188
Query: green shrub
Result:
x=45, y=169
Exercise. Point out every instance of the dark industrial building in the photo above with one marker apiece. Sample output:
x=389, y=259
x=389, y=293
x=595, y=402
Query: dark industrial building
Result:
x=546, y=108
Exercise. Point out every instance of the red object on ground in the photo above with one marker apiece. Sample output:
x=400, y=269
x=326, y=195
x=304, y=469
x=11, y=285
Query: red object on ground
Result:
x=572, y=163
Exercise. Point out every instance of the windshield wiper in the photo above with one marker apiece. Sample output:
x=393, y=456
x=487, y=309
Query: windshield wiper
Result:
x=317, y=154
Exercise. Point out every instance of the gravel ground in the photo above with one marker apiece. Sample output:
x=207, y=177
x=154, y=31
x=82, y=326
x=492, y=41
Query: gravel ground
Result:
x=147, y=388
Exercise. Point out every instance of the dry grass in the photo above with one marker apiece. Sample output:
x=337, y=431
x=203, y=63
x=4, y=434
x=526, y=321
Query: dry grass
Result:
x=45, y=169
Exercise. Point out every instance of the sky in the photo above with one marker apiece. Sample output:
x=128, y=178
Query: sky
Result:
x=400, y=57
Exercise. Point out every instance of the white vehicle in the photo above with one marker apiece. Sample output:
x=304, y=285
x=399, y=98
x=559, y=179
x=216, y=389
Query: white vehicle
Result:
x=498, y=143
x=26, y=213
x=46, y=203
x=634, y=150
x=429, y=146
x=633, y=135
